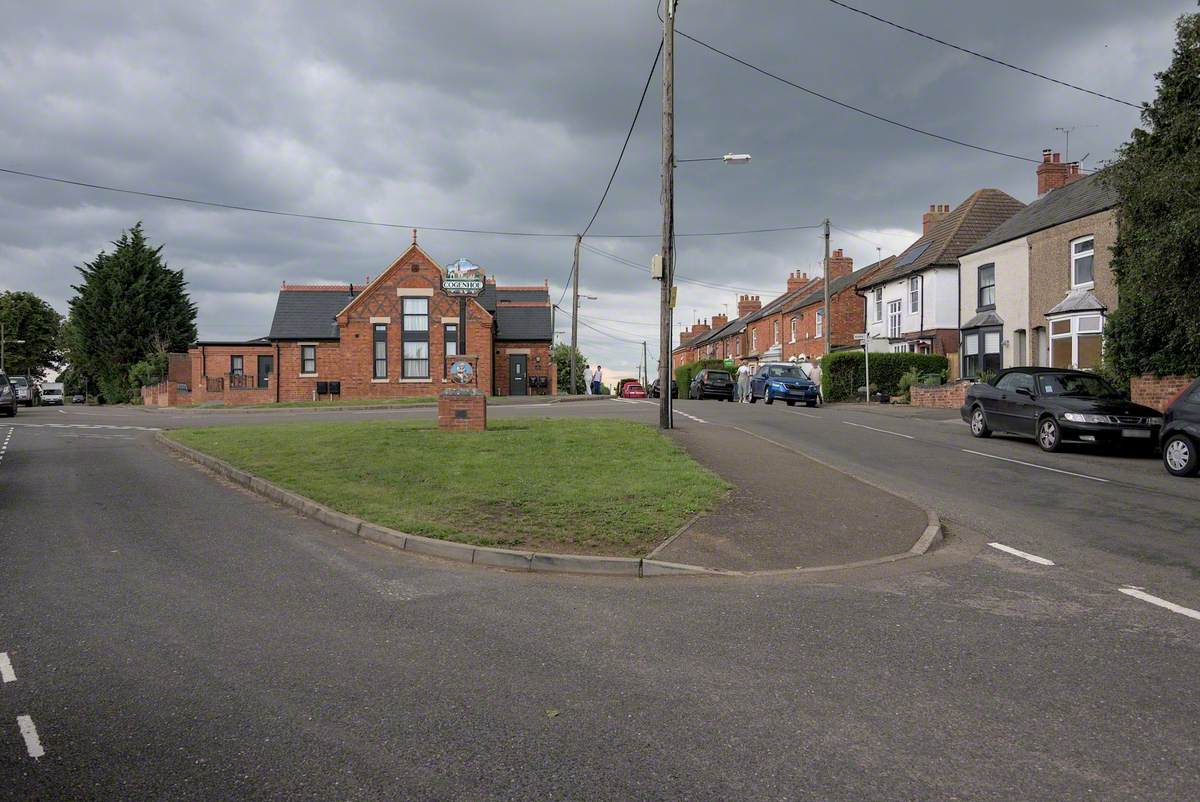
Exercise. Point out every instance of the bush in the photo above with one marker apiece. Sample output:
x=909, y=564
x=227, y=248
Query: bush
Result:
x=843, y=372
x=685, y=373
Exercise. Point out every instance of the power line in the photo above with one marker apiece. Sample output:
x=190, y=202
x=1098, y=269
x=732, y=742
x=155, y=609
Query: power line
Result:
x=628, y=134
x=845, y=105
x=678, y=277
x=707, y=233
x=982, y=56
x=626, y=339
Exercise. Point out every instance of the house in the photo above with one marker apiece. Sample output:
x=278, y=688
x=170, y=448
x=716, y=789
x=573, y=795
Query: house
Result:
x=913, y=303
x=393, y=337
x=1038, y=288
x=804, y=317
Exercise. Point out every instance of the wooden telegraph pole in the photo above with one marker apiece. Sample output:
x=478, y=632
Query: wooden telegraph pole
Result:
x=575, y=317
x=668, y=223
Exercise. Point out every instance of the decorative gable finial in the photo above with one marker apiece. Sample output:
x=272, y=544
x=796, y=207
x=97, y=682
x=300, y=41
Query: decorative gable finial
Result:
x=414, y=236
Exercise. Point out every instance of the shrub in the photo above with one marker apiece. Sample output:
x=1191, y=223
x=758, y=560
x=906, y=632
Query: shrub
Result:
x=909, y=378
x=843, y=372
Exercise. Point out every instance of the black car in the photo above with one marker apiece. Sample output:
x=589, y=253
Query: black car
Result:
x=783, y=381
x=654, y=389
x=1055, y=405
x=1181, y=433
x=711, y=383
x=8, y=396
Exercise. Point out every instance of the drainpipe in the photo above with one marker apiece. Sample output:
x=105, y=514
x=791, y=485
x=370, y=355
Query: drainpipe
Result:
x=277, y=370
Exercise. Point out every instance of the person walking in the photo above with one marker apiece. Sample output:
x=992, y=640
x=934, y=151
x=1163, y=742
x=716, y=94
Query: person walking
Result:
x=597, y=380
x=815, y=375
x=587, y=380
x=743, y=382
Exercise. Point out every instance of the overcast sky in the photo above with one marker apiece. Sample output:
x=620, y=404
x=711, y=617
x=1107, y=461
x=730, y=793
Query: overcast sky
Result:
x=510, y=115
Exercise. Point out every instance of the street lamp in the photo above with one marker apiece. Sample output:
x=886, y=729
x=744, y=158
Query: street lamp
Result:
x=3, y=340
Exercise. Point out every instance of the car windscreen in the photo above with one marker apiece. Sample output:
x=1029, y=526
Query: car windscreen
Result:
x=786, y=372
x=1075, y=384
x=718, y=374
x=19, y=381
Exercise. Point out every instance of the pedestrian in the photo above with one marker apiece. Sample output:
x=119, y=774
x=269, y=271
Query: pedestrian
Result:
x=597, y=380
x=815, y=374
x=587, y=380
x=743, y=382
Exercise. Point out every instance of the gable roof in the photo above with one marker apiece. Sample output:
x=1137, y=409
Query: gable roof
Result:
x=306, y=313
x=714, y=334
x=840, y=283
x=1081, y=198
x=970, y=221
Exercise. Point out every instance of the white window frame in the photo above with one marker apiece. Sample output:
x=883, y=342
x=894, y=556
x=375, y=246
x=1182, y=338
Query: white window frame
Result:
x=893, y=322
x=775, y=331
x=1075, y=257
x=794, y=328
x=914, y=294
x=819, y=323
x=313, y=372
x=1073, y=333
x=879, y=304
x=753, y=341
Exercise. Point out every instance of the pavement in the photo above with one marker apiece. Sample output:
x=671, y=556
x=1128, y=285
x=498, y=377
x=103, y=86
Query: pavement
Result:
x=172, y=637
x=787, y=511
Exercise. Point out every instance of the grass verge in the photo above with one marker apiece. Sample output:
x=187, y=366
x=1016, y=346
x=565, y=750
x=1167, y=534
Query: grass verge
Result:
x=585, y=486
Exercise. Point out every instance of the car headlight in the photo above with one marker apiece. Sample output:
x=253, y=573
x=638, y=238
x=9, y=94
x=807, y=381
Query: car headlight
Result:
x=1085, y=417
x=1154, y=421
x=778, y=386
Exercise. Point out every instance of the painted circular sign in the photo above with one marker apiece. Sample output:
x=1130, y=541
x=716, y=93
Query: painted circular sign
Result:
x=462, y=372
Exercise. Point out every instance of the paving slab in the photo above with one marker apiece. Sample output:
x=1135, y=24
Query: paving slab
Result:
x=787, y=511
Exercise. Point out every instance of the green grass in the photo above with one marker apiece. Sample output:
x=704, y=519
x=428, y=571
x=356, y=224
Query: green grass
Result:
x=589, y=486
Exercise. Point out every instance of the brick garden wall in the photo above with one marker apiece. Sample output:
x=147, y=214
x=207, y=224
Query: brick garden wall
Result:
x=945, y=396
x=1157, y=391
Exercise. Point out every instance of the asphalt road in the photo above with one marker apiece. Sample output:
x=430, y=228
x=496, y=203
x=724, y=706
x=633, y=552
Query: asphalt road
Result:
x=167, y=636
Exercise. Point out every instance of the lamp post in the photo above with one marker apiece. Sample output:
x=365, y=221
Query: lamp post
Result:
x=3, y=341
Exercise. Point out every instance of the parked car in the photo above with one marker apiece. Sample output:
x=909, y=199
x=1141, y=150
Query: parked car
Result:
x=782, y=381
x=1181, y=433
x=654, y=389
x=1053, y=406
x=632, y=389
x=8, y=396
x=712, y=383
x=52, y=394
x=26, y=392
x=78, y=399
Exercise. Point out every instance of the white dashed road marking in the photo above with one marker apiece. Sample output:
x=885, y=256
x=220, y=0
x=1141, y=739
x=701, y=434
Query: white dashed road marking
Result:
x=1138, y=593
x=1024, y=555
x=805, y=414
x=690, y=417
x=1034, y=465
x=885, y=431
x=6, y=670
x=29, y=732
x=90, y=426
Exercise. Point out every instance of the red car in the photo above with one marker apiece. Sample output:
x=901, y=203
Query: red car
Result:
x=633, y=390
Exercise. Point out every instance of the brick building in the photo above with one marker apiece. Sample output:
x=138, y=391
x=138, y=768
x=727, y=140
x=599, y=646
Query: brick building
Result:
x=804, y=318
x=391, y=338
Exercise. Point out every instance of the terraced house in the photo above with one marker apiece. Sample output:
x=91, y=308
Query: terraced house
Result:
x=390, y=338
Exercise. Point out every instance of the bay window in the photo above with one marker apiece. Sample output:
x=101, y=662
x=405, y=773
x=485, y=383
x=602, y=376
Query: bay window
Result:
x=1075, y=342
x=981, y=352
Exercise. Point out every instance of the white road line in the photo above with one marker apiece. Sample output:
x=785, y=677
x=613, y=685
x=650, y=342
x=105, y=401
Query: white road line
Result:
x=89, y=426
x=689, y=417
x=885, y=431
x=63, y=411
x=6, y=670
x=29, y=732
x=1034, y=465
x=1024, y=555
x=1172, y=606
x=805, y=414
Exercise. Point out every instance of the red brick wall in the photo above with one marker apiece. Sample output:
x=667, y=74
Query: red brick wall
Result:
x=946, y=396
x=539, y=363
x=179, y=368
x=1157, y=391
x=462, y=412
x=213, y=361
x=847, y=313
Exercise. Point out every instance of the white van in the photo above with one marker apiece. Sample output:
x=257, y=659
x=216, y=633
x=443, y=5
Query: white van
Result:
x=52, y=393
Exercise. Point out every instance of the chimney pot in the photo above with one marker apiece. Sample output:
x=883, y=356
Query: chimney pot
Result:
x=1045, y=155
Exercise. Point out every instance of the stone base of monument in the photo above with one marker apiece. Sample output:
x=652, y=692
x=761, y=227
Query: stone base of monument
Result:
x=462, y=409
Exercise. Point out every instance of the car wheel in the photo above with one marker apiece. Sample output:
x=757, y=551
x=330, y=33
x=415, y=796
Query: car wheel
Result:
x=1181, y=457
x=810, y=403
x=1049, y=434
x=767, y=399
x=979, y=426
x=753, y=397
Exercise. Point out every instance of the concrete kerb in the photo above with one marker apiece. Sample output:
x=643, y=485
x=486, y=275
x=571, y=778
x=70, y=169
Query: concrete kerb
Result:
x=254, y=409
x=432, y=547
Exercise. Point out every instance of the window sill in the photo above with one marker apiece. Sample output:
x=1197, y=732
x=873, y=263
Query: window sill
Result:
x=414, y=381
x=379, y=381
x=988, y=308
x=308, y=375
x=1090, y=285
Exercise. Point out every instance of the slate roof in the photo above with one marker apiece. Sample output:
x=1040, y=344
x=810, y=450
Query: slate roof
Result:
x=984, y=319
x=971, y=220
x=712, y=336
x=1078, y=301
x=493, y=295
x=840, y=283
x=1078, y=199
x=523, y=323
x=308, y=314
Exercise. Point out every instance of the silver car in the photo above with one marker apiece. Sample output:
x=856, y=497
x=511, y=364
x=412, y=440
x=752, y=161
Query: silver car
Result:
x=25, y=390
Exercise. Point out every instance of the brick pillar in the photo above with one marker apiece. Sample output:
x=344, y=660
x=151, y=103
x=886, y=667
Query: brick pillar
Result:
x=462, y=410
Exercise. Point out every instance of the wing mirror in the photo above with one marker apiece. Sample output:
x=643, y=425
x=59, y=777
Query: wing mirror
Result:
x=1025, y=391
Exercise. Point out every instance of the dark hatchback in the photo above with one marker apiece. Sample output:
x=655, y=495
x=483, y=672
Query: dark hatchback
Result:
x=1181, y=433
x=8, y=396
x=782, y=381
x=712, y=384
x=654, y=391
x=1054, y=405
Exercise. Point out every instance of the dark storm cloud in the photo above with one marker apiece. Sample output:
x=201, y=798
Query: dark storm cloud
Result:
x=509, y=115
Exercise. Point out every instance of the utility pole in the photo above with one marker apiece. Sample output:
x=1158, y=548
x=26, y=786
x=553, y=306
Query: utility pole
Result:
x=645, y=366
x=825, y=281
x=668, y=223
x=575, y=316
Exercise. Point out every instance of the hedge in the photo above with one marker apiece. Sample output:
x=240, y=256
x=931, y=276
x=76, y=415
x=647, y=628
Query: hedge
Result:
x=685, y=373
x=843, y=372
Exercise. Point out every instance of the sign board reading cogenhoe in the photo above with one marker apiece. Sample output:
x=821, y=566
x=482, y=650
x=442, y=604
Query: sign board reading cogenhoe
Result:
x=463, y=278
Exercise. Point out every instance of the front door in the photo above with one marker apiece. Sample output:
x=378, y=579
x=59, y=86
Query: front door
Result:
x=518, y=382
x=266, y=365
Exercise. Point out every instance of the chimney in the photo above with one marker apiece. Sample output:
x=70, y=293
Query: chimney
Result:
x=839, y=265
x=1053, y=173
x=748, y=305
x=701, y=327
x=796, y=280
x=936, y=212
x=719, y=320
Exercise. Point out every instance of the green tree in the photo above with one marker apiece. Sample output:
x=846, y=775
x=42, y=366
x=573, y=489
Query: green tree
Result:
x=32, y=332
x=1156, y=327
x=129, y=307
x=562, y=361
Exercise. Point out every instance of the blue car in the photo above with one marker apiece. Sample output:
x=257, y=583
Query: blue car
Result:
x=782, y=381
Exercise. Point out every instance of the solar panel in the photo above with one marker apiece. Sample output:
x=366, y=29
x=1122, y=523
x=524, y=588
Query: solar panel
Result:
x=912, y=255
